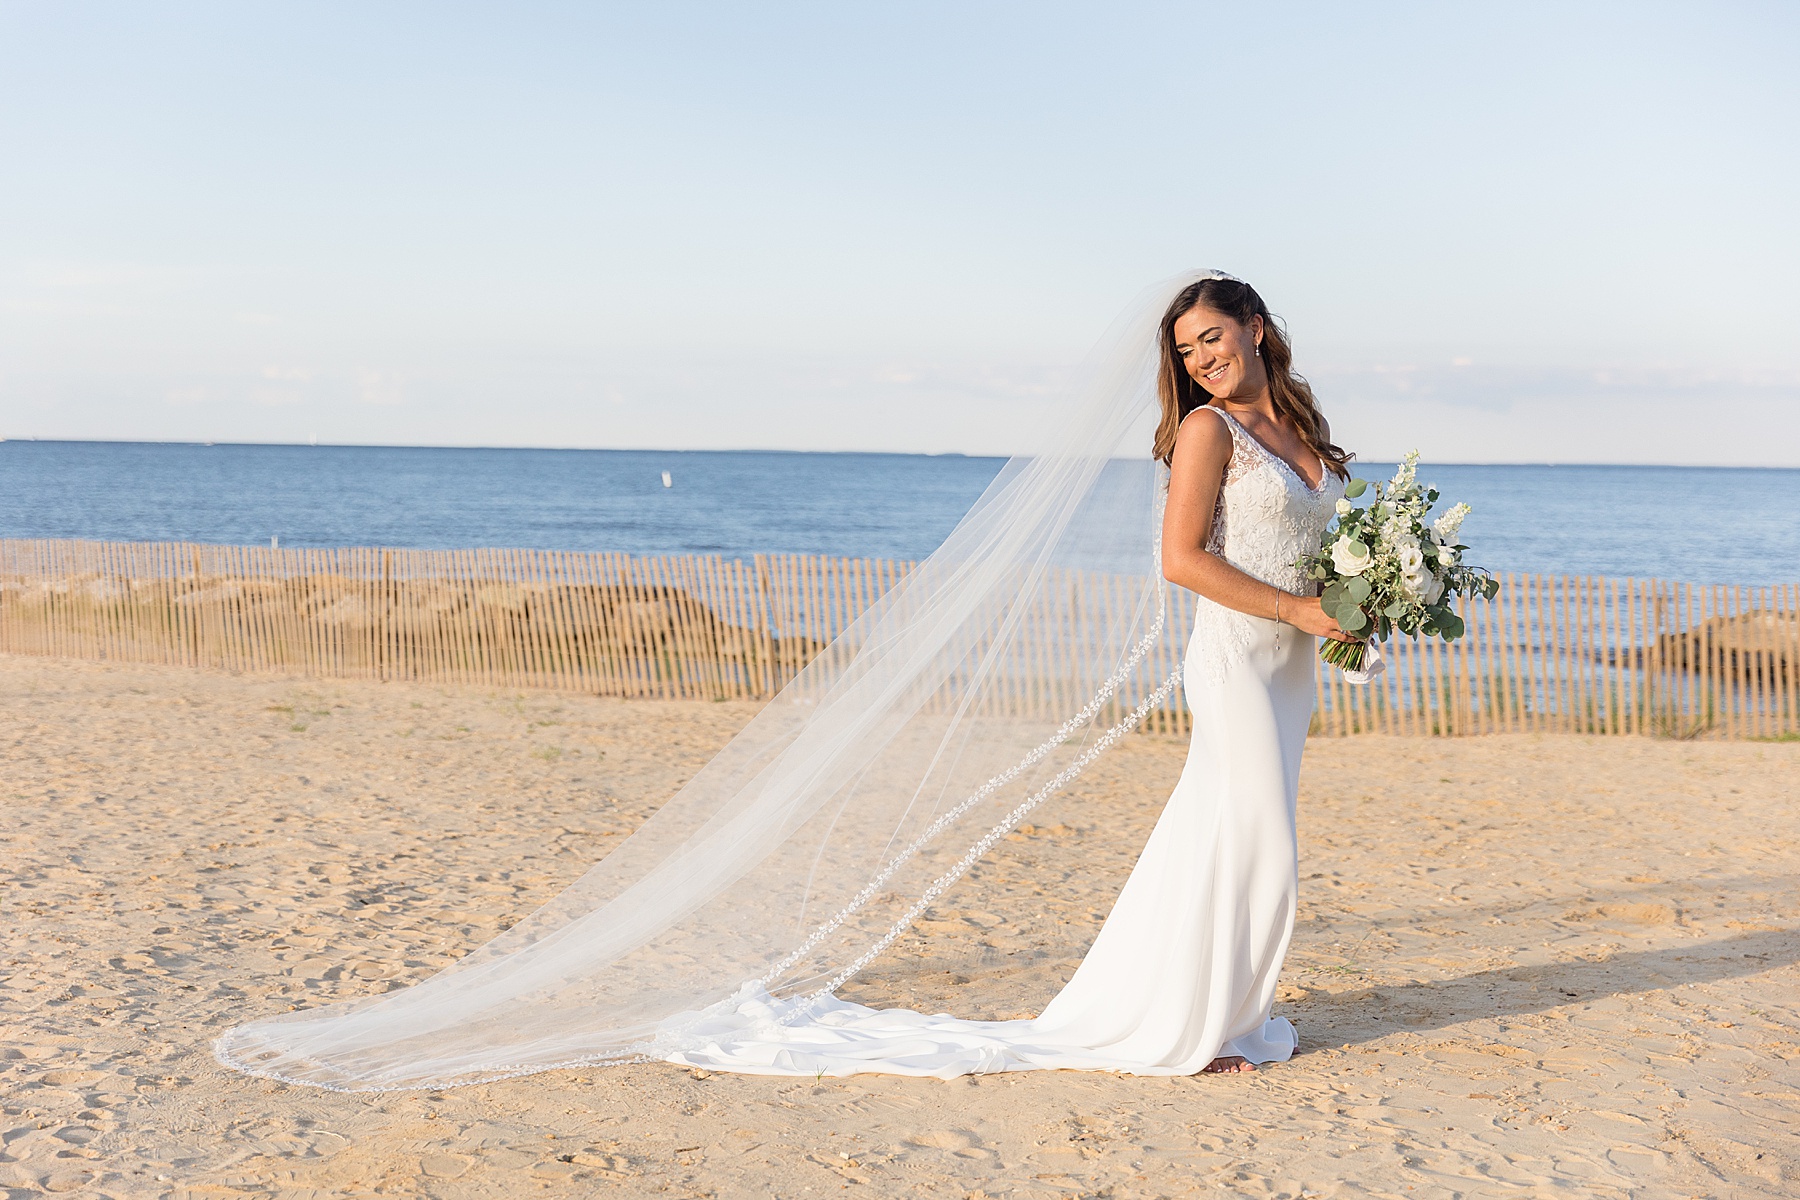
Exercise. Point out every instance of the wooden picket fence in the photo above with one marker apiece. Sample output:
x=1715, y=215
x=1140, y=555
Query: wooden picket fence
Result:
x=1586, y=654
x=683, y=627
x=1548, y=653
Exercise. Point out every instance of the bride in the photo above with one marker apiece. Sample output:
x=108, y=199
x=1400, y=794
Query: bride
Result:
x=718, y=934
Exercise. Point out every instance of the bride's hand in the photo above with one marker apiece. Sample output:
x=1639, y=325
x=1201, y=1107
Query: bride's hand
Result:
x=1305, y=612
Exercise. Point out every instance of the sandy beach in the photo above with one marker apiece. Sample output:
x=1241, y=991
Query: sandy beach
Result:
x=1524, y=965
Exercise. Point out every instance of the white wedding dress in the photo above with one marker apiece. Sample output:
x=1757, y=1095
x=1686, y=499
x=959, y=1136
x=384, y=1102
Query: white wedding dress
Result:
x=1184, y=969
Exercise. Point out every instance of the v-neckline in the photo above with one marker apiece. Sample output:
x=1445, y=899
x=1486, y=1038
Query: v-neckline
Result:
x=1313, y=488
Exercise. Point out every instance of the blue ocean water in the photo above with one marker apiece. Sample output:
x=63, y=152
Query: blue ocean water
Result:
x=1701, y=524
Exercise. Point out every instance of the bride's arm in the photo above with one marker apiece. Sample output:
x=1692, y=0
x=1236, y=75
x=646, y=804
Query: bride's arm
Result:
x=1196, y=471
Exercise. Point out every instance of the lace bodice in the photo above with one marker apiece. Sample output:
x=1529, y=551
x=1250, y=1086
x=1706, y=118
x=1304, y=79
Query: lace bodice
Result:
x=1266, y=518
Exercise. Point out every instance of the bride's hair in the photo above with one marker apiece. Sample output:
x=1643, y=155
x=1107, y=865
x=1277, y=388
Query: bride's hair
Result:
x=1292, y=395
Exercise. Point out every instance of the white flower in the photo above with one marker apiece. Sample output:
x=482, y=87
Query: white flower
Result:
x=1449, y=556
x=1350, y=558
x=1411, y=559
x=1409, y=469
x=1445, y=527
x=1421, y=585
x=1343, y=507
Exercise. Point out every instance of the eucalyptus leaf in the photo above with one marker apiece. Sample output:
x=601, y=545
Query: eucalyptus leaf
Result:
x=1357, y=588
x=1356, y=487
x=1451, y=626
x=1396, y=610
x=1353, y=619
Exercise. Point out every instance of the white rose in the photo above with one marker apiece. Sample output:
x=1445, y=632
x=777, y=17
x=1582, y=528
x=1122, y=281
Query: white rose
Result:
x=1350, y=558
x=1421, y=585
x=1343, y=507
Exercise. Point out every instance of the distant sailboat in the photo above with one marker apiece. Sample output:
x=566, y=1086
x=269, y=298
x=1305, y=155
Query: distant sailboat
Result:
x=667, y=481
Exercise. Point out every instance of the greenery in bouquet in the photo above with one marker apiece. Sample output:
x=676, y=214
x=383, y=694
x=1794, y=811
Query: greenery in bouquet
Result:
x=1388, y=566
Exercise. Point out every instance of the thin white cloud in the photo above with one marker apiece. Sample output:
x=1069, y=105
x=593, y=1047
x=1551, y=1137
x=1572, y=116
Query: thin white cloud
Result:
x=381, y=388
x=1465, y=384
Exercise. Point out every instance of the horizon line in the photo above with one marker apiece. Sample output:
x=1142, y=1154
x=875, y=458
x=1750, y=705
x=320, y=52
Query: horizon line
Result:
x=316, y=445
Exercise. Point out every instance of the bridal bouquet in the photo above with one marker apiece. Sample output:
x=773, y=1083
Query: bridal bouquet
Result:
x=1389, y=566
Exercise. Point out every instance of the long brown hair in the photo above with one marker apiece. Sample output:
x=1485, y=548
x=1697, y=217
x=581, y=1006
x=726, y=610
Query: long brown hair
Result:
x=1292, y=395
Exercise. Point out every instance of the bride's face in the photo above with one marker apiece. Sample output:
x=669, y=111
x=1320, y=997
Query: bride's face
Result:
x=1220, y=355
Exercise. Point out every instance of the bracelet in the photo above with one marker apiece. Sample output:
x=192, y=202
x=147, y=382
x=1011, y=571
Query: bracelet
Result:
x=1278, y=606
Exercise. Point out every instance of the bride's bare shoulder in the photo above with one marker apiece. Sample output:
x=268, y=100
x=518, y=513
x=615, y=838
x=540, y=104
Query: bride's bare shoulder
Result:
x=1204, y=438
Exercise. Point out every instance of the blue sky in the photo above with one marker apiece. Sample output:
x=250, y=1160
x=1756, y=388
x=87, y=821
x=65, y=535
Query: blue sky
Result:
x=1499, y=233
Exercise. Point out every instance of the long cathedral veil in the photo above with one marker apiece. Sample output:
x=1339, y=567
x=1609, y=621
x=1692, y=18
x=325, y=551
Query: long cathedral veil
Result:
x=976, y=687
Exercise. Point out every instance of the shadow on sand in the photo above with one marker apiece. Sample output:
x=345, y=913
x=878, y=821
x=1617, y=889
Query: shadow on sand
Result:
x=1366, y=1014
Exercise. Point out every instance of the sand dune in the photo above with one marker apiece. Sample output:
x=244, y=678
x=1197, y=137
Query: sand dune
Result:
x=1524, y=965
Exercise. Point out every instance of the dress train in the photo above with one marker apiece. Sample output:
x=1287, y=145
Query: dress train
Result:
x=1184, y=968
